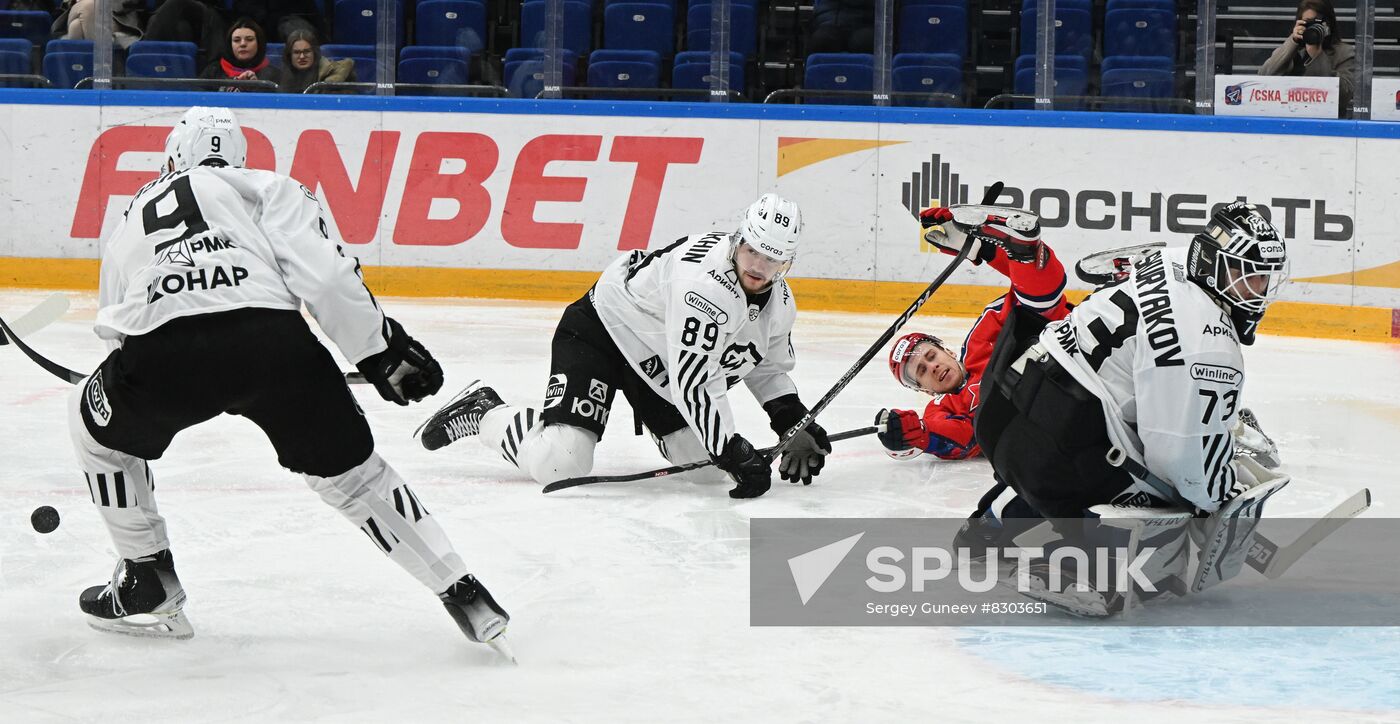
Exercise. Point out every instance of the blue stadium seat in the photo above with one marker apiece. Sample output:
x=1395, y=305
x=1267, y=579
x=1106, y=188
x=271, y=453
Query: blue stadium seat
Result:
x=1136, y=83
x=63, y=45
x=433, y=71
x=1073, y=31
x=839, y=71
x=691, y=69
x=164, y=47
x=160, y=65
x=1077, y=62
x=1154, y=62
x=524, y=71
x=366, y=62
x=1168, y=5
x=933, y=29
x=274, y=54
x=32, y=25
x=743, y=28
x=639, y=26
x=451, y=22
x=577, y=31
x=15, y=60
x=436, y=51
x=16, y=45
x=357, y=22
x=925, y=73
x=1069, y=81
x=1060, y=4
x=64, y=68
x=625, y=69
x=1139, y=31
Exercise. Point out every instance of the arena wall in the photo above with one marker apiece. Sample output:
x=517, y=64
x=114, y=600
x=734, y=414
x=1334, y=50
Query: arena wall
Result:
x=528, y=200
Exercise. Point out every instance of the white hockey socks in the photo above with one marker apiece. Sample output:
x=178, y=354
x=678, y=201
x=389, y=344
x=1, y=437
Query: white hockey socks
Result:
x=546, y=453
x=374, y=497
x=121, y=487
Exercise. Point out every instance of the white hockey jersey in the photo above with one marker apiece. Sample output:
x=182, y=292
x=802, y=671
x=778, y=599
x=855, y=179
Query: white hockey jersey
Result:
x=1164, y=360
x=215, y=239
x=686, y=326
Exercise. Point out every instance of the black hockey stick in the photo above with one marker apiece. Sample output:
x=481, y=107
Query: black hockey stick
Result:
x=575, y=482
x=73, y=377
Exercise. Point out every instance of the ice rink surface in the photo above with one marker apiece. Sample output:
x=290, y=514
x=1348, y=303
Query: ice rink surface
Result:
x=629, y=601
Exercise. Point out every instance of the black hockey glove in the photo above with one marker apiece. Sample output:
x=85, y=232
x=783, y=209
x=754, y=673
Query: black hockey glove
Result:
x=747, y=466
x=806, y=454
x=404, y=372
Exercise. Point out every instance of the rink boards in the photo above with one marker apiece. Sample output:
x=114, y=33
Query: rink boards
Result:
x=528, y=200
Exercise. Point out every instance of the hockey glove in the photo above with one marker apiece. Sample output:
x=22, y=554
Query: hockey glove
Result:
x=404, y=372
x=941, y=231
x=747, y=466
x=806, y=454
x=901, y=432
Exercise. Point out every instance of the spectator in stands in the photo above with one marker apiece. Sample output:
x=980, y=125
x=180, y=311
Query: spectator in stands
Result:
x=1331, y=57
x=77, y=20
x=842, y=26
x=284, y=17
x=191, y=21
x=246, y=56
x=302, y=64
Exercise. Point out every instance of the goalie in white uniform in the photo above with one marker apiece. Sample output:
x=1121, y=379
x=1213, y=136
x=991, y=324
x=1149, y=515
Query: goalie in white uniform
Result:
x=674, y=330
x=1131, y=399
x=202, y=284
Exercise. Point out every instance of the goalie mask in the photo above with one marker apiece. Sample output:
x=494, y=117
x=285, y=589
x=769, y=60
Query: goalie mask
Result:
x=206, y=137
x=910, y=361
x=1239, y=260
x=770, y=230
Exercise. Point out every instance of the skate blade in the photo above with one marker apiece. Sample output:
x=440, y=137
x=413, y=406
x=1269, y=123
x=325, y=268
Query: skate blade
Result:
x=502, y=646
x=147, y=625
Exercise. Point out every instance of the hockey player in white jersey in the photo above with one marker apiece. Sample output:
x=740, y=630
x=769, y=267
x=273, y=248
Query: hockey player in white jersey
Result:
x=673, y=329
x=201, y=288
x=1129, y=403
x=1151, y=367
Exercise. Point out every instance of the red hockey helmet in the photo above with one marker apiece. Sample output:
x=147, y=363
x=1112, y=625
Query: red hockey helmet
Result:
x=903, y=351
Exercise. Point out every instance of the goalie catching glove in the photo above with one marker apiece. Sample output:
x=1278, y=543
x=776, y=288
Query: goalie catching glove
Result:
x=1017, y=232
x=404, y=372
x=804, y=457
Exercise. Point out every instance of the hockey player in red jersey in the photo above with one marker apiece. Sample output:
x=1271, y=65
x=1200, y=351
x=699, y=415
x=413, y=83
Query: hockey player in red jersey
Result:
x=924, y=362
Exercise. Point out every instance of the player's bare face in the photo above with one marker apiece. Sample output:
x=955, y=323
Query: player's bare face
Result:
x=756, y=270
x=245, y=44
x=935, y=369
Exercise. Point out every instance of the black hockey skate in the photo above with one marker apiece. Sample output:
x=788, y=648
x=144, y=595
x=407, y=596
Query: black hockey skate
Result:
x=477, y=614
x=459, y=418
x=144, y=598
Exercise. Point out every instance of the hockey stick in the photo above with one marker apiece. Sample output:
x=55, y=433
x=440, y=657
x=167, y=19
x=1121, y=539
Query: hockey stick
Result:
x=1106, y=267
x=73, y=377
x=575, y=482
x=1272, y=559
x=42, y=315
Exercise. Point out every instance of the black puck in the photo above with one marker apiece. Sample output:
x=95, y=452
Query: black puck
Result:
x=44, y=519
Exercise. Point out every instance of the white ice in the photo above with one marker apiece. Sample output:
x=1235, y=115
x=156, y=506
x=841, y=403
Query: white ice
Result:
x=629, y=601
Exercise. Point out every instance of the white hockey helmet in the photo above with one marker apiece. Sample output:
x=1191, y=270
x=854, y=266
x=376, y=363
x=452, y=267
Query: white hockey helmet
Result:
x=206, y=137
x=771, y=227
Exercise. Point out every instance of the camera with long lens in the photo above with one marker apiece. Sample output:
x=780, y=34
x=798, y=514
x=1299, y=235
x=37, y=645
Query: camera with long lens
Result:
x=1315, y=32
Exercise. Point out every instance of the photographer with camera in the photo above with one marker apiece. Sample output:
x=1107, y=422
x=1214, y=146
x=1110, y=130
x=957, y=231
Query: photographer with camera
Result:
x=1313, y=49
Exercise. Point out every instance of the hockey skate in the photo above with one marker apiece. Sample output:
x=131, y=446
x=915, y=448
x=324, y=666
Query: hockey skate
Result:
x=144, y=598
x=459, y=418
x=477, y=614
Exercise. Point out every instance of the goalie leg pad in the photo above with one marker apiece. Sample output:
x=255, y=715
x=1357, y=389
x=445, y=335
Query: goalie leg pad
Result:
x=373, y=496
x=121, y=487
x=1226, y=536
